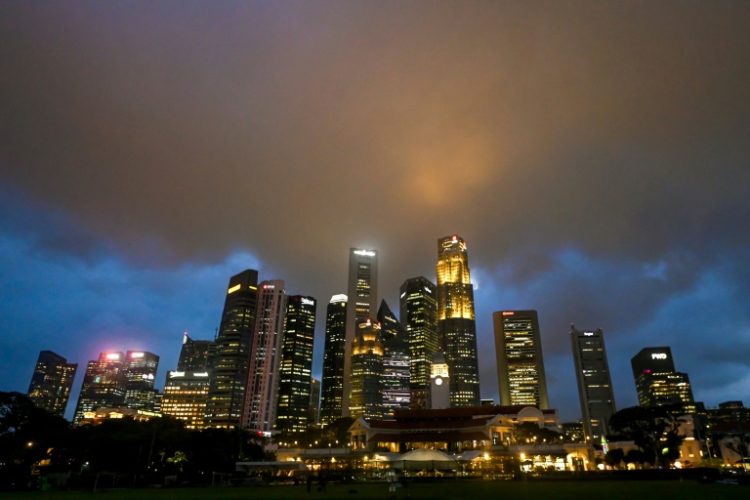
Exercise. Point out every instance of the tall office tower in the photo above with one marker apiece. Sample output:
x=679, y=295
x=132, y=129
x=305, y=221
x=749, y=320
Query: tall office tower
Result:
x=259, y=412
x=185, y=396
x=333, y=360
x=227, y=392
x=186, y=389
x=362, y=292
x=455, y=320
x=313, y=411
x=196, y=355
x=104, y=384
x=396, y=393
x=296, y=365
x=657, y=382
x=140, y=373
x=594, y=382
x=419, y=316
x=367, y=372
x=520, y=367
x=51, y=382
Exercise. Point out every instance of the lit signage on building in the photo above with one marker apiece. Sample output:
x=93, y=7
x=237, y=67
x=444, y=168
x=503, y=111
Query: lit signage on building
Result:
x=659, y=355
x=201, y=374
x=136, y=355
x=588, y=334
x=339, y=298
x=508, y=313
x=113, y=356
x=365, y=253
x=176, y=374
x=233, y=289
x=307, y=302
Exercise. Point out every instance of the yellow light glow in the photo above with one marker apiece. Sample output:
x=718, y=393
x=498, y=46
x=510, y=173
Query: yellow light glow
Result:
x=233, y=289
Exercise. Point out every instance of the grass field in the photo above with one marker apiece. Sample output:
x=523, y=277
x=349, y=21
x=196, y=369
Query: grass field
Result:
x=458, y=490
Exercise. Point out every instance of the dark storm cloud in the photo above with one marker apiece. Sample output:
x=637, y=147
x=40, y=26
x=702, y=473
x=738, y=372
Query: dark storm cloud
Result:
x=594, y=154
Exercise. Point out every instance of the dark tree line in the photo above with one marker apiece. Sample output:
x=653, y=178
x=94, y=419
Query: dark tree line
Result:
x=36, y=444
x=654, y=430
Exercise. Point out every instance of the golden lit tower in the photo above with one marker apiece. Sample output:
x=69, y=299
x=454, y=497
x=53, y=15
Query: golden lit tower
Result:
x=367, y=371
x=455, y=320
x=361, y=306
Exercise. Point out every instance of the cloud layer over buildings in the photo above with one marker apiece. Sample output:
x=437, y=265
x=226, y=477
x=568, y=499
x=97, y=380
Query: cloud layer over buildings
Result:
x=594, y=155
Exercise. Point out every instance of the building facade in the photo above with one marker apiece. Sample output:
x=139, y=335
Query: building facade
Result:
x=396, y=391
x=141, y=374
x=367, y=372
x=658, y=384
x=51, y=382
x=186, y=389
x=295, y=374
x=227, y=391
x=196, y=355
x=259, y=412
x=440, y=396
x=185, y=397
x=104, y=384
x=362, y=292
x=455, y=320
x=594, y=382
x=418, y=313
x=313, y=412
x=333, y=360
x=518, y=352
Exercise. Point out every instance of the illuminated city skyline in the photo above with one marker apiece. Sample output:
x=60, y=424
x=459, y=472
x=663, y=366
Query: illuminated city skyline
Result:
x=592, y=154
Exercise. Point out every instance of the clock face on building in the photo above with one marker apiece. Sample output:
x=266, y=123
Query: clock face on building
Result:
x=438, y=380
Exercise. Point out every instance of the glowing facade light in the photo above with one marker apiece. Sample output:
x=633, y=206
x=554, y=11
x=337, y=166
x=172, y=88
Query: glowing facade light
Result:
x=233, y=289
x=364, y=253
x=113, y=356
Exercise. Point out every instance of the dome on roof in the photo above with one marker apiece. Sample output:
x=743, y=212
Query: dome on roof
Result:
x=423, y=455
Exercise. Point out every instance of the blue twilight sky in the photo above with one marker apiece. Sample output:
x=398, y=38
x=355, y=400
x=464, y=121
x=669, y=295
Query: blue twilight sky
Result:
x=594, y=155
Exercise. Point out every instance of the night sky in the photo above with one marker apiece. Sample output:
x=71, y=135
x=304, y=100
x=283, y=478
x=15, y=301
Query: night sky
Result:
x=594, y=155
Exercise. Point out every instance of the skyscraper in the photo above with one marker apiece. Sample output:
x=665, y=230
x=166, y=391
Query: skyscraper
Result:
x=296, y=365
x=140, y=372
x=418, y=313
x=396, y=393
x=259, y=412
x=196, y=355
x=313, y=412
x=186, y=389
x=104, y=384
x=520, y=367
x=367, y=372
x=594, y=382
x=185, y=397
x=362, y=293
x=455, y=320
x=657, y=382
x=333, y=360
x=51, y=382
x=227, y=392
